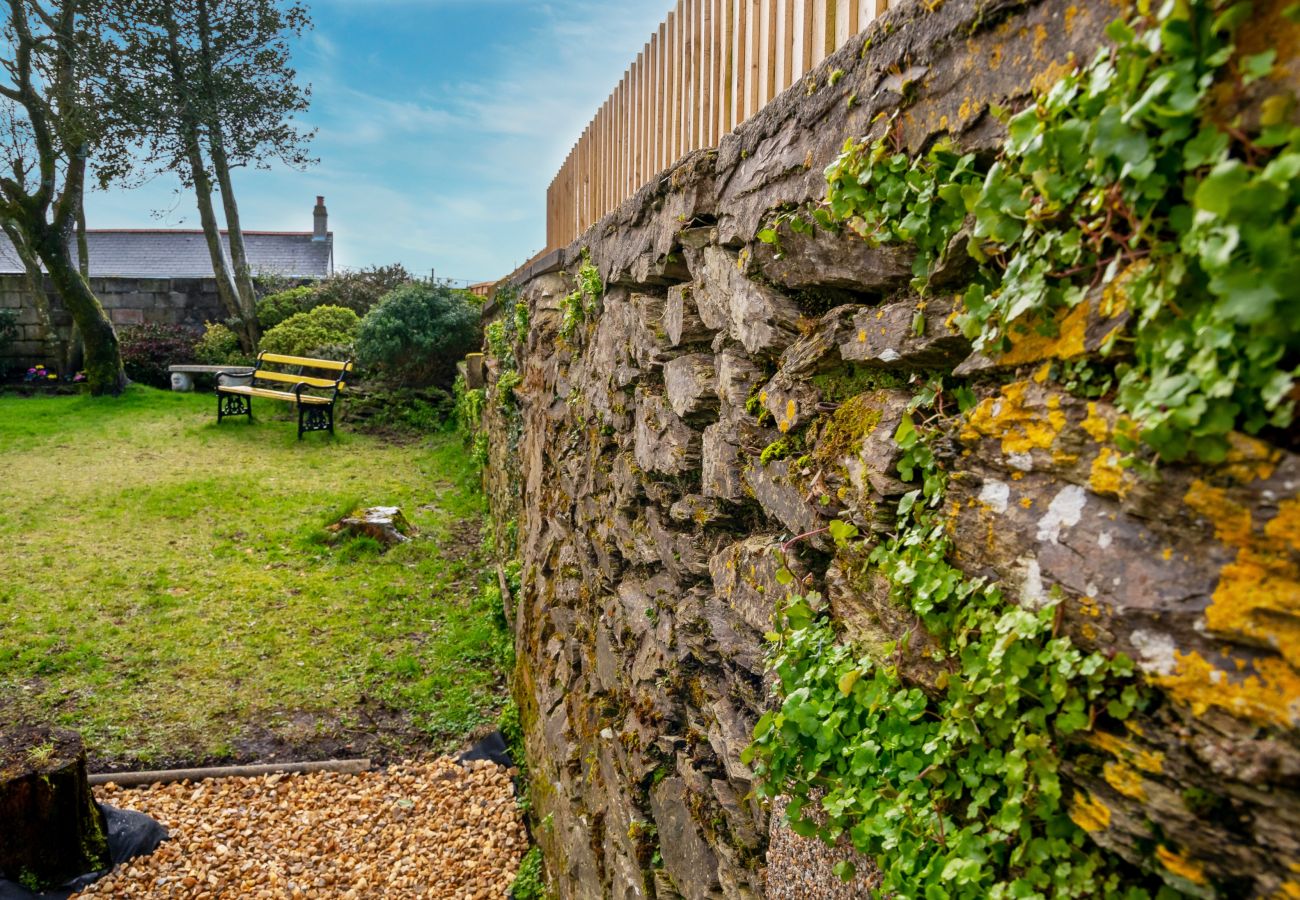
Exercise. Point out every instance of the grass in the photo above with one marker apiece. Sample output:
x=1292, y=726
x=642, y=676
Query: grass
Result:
x=168, y=588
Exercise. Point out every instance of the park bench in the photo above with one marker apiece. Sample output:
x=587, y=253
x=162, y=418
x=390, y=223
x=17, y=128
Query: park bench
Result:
x=314, y=396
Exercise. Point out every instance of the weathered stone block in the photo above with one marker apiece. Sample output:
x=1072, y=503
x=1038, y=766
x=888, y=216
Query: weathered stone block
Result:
x=908, y=334
x=691, y=384
x=687, y=857
x=791, y=401
x=682, y=321
x=662, y=441
x=782, y=498
x=738, y=378
x=839, y=260
x=761, y=318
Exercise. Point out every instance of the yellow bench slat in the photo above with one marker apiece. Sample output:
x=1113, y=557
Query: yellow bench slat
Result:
x=295, y=379
x=306, y=361
x=274, y=395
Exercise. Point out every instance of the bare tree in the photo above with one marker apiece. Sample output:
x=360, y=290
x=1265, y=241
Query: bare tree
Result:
x=207, y=87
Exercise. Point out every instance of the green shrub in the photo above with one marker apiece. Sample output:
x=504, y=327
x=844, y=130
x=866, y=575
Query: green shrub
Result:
x=417, y=334
x=326, y=331
x=275, y=308
x=147, y=351
x=361, y=291
x=219, y=346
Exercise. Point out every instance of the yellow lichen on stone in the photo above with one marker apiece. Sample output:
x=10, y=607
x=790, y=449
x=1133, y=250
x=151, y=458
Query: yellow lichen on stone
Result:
x=1124, y=779
x=1152, y=761
x=1232, y=521
x=1107, y=477
x=1271, y=698
x=1250, y=459
x=1290, y=890
x=1008, y=418
x=1258, y=594
x=1095, y=424
x=1181, y=865
x=1029, y=345
x=1089, y=813
x=1040, y=377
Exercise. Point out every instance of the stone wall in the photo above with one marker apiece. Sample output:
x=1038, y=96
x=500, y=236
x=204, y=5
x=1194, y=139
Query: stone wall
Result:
x=627, y=481
x=128, y=301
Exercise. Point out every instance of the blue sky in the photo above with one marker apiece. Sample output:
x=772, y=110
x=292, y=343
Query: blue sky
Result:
x=441, y=122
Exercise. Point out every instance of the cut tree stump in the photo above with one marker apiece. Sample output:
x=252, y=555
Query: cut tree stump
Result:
x=52, y=828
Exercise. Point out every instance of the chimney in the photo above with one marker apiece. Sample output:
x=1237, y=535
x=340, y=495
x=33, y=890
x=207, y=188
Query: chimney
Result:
x=321, y=218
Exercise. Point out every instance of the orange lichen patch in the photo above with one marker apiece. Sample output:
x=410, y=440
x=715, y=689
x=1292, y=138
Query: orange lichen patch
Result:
x=1149, y=761
x=862, y=336
x=1232, y=522
x=1042, y=374
x=1107, y=476
x=1152, y=761
x=1290, y=890
x=1044, y=81
x=1063, y=459
x=1258, y=594
x=1089, y=813
x=1283, y=530
x=1250, y=459
x=1070, y=14
x=1124, y=779
x=1031, y=345
x=1271, y=698
x=1011, y=420
x=1088, y=607
x=1181, y=865
x=1026, y=502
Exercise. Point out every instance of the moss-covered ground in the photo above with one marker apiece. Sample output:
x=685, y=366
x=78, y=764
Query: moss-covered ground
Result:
x=169, y=589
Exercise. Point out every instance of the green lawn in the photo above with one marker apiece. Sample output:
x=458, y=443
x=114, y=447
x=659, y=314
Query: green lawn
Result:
x=167, y=586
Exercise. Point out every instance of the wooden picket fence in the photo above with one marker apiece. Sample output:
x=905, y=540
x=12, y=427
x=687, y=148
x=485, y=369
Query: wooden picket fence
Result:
x=711, y=65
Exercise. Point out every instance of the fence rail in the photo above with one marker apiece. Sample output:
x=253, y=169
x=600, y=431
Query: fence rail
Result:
x=711, y=65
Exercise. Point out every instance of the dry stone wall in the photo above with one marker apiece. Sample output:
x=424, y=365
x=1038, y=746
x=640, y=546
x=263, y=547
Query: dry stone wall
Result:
x=639, y=489
x=127, y=301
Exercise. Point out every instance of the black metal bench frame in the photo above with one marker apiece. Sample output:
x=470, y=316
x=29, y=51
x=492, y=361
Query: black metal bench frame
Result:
x=315, y=411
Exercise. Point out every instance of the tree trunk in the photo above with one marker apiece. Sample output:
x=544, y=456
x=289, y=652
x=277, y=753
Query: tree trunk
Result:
x=190, y=122
x=238, y=253
x=53, y=829
x=212, y=234
x=104, y=371
x=54, y=348
x=83, y=247
x=221, y=166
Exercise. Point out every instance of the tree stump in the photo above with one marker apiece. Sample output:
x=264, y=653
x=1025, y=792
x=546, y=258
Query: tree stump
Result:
x=52, y=829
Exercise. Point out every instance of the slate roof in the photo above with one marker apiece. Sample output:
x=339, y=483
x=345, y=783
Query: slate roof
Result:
x=129, y=253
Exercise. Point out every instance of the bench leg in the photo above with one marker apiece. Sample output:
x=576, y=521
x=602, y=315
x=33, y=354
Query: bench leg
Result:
x=315, y=418
x=233, y=405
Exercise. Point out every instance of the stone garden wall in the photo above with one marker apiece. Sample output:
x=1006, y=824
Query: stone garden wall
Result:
x=642, y=494
x=128, y=301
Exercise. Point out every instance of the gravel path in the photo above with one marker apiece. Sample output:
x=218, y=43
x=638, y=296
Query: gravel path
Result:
x=435, y=829
x=801, y=868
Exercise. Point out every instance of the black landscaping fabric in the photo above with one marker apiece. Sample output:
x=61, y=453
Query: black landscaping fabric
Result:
x=130, y=834
x=493, y=748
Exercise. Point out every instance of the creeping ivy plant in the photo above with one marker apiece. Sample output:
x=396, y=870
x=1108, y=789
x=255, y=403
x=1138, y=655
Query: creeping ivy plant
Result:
x=951, y=785
x=1129, y=175
x=1127, y=180
x=1132, y=178
x=584, y=300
